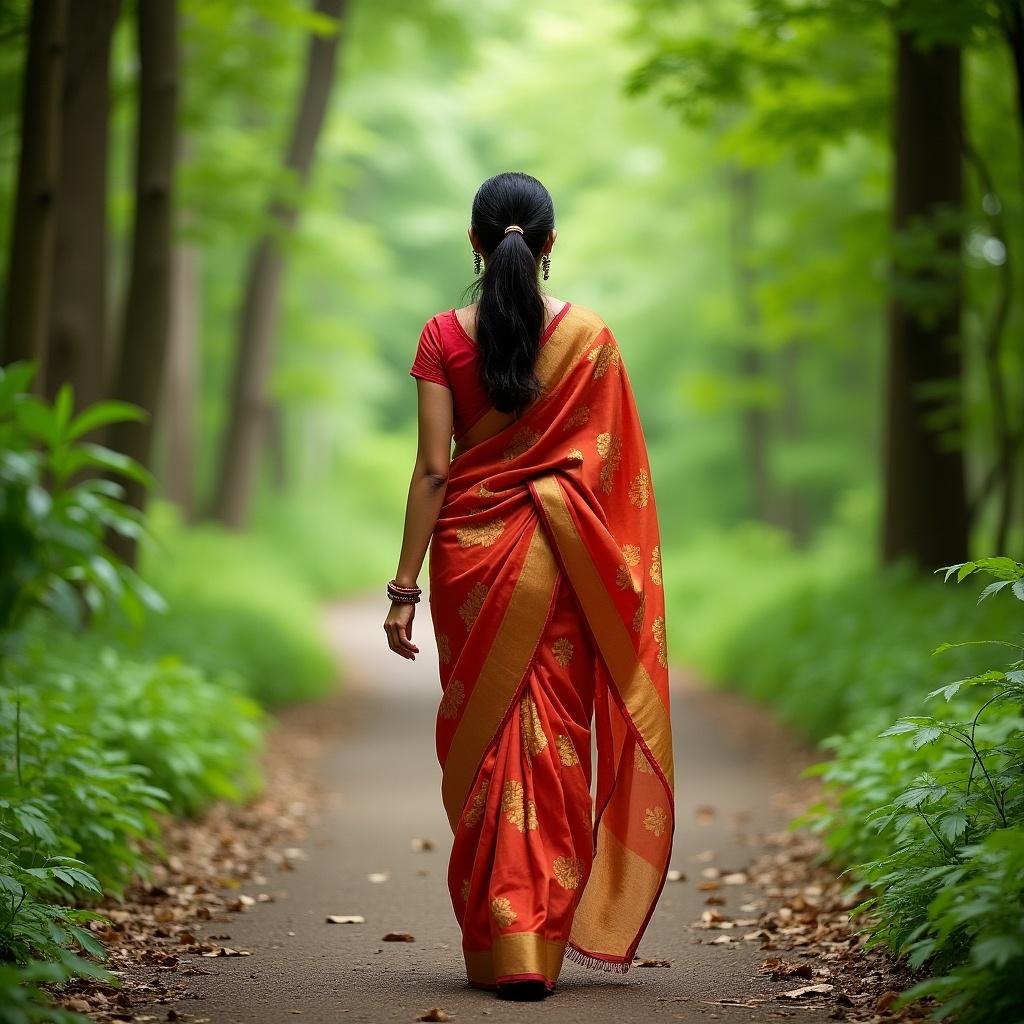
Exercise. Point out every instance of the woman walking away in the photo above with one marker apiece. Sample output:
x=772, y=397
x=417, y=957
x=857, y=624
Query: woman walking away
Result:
x=545, y=591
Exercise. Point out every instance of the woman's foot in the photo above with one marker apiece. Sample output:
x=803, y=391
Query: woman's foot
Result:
x=530, y=989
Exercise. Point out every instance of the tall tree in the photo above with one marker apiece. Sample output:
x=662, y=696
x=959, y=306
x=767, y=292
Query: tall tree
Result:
x=926, y=517
x=147, y=310
x=30, y=270
x=78, y=328
x=248, y=409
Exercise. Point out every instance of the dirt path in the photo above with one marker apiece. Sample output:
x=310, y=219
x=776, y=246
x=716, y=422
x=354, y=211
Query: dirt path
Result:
x=381, y=785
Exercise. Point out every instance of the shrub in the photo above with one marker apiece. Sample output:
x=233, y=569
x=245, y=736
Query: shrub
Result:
x=931, y=813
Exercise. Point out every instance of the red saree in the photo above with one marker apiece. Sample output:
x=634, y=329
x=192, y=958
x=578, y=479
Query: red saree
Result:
x=548, y=610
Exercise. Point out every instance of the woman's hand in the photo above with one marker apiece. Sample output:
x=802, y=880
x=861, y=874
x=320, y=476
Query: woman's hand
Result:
x=398, y=626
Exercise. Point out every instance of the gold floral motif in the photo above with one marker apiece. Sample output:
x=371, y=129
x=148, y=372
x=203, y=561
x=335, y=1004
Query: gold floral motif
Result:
x=568, y=871
x=465, y=890
x=658, y=628
x=577, y=417
x=566, y=751
x=655, y=820
x=638, y=615
x=640, y=762
x=502, y=910
x=605, y=356
x=534, y=739
x=624, y=579
x=521, y=441
x=485, y=534
x=451, y=701
x=631, y=553
x=609, y=447
x=640, y=489
x=517, y=809
x=475, y=811
x=444, y=649
x=574, y=453
x=474, y=602
x=562, y=649
x=484, y=492
x=656, y=565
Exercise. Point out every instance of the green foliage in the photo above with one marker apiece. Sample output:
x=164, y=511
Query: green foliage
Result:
x=930, y=812
x=237, y=606
x=52, y=530
x=820, y=635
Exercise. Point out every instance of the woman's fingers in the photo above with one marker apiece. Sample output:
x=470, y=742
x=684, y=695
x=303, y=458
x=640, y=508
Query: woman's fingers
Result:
x=398, y=638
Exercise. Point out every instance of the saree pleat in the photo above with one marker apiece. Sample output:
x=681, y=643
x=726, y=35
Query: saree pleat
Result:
x=546, y=601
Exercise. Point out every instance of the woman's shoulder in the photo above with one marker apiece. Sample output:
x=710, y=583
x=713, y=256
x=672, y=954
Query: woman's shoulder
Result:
x=587, y=319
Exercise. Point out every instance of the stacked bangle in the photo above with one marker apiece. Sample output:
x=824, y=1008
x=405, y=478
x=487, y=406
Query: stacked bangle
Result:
x=403, y=595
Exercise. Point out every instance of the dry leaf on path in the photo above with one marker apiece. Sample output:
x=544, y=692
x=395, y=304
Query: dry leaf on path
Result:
x=420, y=845
x=378, y=876
x=805, y=990
x=227, y=951
x=652, y=963
x=776, y=968
x=434, y=1013
x=398, y=937
x=345, y=919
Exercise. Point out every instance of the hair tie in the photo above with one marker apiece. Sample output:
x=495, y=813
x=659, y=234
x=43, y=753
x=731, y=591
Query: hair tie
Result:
x=513, y=227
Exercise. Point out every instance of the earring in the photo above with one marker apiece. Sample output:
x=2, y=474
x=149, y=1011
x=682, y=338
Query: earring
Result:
x=477, y=260
x=545, y=262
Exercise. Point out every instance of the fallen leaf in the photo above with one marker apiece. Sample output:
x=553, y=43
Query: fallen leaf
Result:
x=227, y=951
x=652, y=963
x=398, y=937
x=885, y=1000
x=378, y=876
x=674, y=875
x=705, y=815
x=345, y=919
x=805, y=990
x=776, y=968
x=421, y=845
x=735, y=878
x=434, y=1013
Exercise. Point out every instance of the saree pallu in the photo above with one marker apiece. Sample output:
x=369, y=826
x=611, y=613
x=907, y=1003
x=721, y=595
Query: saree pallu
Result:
x=548, y=611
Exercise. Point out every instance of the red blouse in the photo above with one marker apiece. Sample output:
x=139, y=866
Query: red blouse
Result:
x=447, y=355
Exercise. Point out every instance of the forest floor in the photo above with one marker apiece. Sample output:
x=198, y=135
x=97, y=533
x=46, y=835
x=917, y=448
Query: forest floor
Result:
x=234, y=927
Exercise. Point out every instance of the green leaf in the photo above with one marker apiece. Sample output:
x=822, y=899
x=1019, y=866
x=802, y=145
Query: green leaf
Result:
x=997, y=950
x=993, y=588
x=929, y=734
x=102, y=413
x=14, y=379
x=953, y=825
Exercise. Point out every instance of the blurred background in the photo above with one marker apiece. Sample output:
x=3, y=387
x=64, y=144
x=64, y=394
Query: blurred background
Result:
x=801, y=219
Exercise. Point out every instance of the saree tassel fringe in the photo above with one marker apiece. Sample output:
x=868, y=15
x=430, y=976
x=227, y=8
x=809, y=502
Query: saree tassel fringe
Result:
x=594, y=963
x=548, y=609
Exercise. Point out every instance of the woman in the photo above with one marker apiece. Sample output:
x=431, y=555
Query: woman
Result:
x=548, y=612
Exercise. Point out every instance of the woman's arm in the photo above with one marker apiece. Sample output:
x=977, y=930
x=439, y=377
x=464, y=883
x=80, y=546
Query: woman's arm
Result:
x=426, y=495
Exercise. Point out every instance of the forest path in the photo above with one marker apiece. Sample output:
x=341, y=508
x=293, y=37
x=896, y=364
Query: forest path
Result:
x=381, y=786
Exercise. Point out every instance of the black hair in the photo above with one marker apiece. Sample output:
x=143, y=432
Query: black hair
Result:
x=510, y=315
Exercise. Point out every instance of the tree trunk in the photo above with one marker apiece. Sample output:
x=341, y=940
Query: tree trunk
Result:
x=181, y=386
x=78, y=325
x=248, y=409
x=29, y=273
x=755, y=418
x=926, y=518
x=147, y=307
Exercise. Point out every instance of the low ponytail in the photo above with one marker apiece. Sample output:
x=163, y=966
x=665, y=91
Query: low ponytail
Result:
x=510, y=315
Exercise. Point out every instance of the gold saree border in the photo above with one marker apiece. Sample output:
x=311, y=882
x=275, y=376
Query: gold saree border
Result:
x=513, y=954
x=507, y=662
x=620, y=882
x=555, y=359
x=637, y=691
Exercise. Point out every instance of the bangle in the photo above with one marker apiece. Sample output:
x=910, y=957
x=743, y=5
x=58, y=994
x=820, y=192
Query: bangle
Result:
x=404, y=595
